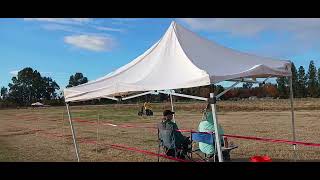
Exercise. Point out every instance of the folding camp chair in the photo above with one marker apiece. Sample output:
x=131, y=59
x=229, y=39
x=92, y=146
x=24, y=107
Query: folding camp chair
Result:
x=168, y=145
x=209, y=139
x=167, y=142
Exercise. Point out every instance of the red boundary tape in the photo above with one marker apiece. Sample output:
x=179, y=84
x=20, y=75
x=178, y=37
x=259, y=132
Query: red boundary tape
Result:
x=114, y=146
x=274, y=140
x=225, y=135
x=121, y=147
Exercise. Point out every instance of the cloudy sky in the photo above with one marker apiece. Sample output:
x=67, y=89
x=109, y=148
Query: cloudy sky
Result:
x=59, y=47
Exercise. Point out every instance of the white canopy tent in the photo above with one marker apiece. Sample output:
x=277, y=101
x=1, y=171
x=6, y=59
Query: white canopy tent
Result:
x=180, y=59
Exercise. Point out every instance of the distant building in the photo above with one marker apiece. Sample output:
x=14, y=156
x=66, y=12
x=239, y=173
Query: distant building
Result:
x=253, y=98
x=37, y=104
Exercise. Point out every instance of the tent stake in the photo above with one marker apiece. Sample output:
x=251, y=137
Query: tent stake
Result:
x=62, y=126
x=73, y=133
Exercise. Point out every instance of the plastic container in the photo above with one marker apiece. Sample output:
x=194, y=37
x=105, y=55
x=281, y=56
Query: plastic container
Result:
x=260, y=159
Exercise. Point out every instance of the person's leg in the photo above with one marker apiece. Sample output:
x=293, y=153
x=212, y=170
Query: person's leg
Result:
x=187, y=144
x=170, y=152
x=185, y=149
x=226, y=155
x=181, y=154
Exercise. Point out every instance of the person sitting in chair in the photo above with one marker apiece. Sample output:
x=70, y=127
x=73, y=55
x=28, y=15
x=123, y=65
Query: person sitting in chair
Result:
x=180, y=141
x=207, y=125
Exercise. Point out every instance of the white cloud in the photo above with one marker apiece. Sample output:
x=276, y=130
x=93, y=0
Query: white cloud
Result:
x=14, y=73
x=66, y=28
x=58, y=27
x=292, y=35
x=90, y=42
x=108, y=29
x=67, y=24
x=125, y=19
x=81, y=19
x=71, y=29
x=61, y=20
x=254, y=26
x=86, y=33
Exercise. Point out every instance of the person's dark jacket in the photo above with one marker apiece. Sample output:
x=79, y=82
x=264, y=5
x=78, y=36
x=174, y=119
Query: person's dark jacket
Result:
x=179, y=138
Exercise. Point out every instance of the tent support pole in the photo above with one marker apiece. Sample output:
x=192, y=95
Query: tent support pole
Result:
x=228, y=89
x=215, y=120
x=137, y=95
x=73, y=133
x=292, y=119
x=174, y=120
x=185, y=95
x=159, y=145
x=97, y=143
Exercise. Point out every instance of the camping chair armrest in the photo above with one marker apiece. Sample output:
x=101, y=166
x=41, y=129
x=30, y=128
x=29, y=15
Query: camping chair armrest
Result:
x=196, y=150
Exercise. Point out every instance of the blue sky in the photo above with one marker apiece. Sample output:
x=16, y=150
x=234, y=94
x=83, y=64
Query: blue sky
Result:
x=61, y=47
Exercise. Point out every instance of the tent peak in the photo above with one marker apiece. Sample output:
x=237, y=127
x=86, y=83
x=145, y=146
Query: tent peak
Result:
x=173, y=23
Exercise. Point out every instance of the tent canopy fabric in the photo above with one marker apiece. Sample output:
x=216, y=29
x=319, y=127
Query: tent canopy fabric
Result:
x=180, y=59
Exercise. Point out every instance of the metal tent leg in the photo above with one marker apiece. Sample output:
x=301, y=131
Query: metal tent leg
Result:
x=292, y=119
x=158, y=146
x=97, y=143
x=174, y=120
x=73, y=133
x=216, y=132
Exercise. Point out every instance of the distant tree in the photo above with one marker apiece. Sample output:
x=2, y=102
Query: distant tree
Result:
x=302, y=83
x=319, y=82
x=4, y=93
x=219, y=89
x=77, y=79
x=244, y=93
x=247, y=85
x=204, y=91
x=233, y=93
x=259, y=91
x=282, y=86
x=163, y=97
x=29, y=86
x=271, y=90
x=50, y=88
x=21, y=87
x=312, y=83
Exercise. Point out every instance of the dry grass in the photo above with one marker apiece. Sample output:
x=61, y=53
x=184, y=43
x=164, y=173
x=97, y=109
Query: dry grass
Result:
x=26, y=134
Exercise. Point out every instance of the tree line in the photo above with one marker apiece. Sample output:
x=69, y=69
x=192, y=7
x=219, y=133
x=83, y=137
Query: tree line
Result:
x=305, y=84
x=30, y=86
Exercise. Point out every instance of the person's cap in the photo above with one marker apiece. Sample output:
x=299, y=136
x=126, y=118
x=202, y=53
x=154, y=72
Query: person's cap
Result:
x=167, y=112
